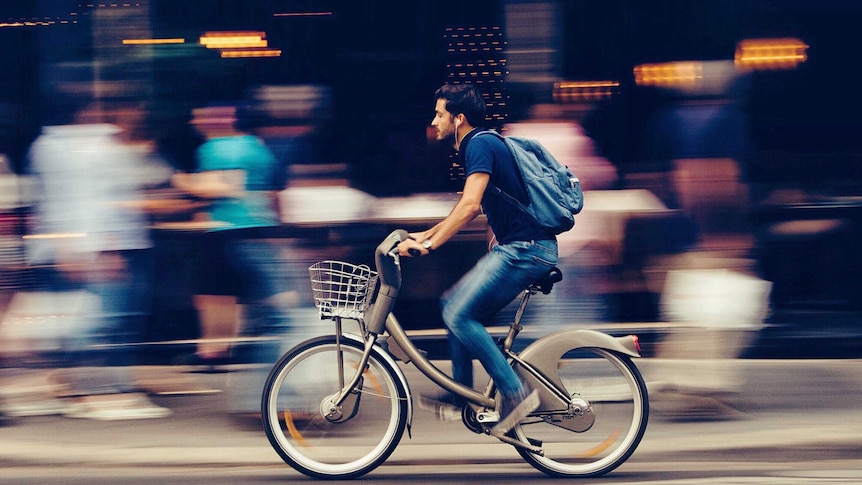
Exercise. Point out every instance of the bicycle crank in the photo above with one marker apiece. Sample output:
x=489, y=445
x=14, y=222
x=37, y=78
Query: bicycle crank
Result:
x=489, y=418
x=532, y=448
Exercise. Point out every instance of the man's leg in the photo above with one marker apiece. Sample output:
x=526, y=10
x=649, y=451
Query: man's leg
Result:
x=494, y=282
x=488, y=287
x=462, y=361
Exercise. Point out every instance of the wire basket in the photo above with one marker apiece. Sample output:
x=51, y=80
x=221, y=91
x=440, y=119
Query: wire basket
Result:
x=341, y=289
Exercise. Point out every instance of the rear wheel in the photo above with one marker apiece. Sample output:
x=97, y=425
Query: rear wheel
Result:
x=347, y=443
x=607, y=433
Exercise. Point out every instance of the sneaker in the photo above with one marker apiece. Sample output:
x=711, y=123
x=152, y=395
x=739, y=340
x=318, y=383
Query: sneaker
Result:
x=112, y=407
x=447, y=407
x=514, y=409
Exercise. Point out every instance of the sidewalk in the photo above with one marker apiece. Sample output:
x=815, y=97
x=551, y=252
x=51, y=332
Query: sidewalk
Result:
x=781, y=405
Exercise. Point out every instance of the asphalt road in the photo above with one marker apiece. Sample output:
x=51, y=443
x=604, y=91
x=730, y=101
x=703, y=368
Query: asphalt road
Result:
x=785, y=422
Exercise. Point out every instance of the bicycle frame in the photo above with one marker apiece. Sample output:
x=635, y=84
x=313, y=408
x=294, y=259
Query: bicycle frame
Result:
x=407, y=352
x=411, y=354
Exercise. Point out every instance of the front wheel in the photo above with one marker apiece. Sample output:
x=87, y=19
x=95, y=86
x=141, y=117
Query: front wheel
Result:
x=298, y=418
x=611, y=427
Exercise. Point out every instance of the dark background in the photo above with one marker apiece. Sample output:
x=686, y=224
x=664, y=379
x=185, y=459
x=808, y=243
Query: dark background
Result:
x=384, y=58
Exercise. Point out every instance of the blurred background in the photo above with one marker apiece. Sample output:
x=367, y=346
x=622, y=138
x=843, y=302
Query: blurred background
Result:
x=716, y=141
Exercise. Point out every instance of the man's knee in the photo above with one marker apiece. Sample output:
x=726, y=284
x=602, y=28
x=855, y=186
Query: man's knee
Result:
x=448, y=312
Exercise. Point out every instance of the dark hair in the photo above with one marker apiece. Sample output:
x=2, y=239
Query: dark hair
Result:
x=463, y=99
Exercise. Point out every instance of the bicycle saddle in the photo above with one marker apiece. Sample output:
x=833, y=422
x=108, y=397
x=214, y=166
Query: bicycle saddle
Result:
x=546, y=283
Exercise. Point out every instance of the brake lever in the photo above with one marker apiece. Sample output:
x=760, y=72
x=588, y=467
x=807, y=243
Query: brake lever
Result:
x=413, y=252
x=394, y=255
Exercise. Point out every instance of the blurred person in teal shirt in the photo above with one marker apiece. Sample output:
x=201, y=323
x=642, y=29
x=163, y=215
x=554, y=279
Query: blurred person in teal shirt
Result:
x=239, y=176
x=236, y=171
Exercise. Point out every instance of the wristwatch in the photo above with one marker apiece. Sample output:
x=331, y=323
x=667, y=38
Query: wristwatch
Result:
x=426, y=244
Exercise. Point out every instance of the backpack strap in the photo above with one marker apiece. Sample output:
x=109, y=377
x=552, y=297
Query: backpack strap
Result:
x=497, y=190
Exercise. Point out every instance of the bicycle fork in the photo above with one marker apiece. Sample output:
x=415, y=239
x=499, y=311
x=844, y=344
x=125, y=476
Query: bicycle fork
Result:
x=344, y=404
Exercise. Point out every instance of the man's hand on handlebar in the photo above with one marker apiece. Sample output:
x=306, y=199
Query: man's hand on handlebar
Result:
x=411, y=247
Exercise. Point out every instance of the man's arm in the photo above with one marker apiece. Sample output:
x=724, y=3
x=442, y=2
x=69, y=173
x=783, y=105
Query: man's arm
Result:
x=467, y=208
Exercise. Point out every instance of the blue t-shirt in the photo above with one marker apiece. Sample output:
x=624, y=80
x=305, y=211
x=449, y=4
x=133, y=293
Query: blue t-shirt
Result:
x=488, y=154
x=249, y=154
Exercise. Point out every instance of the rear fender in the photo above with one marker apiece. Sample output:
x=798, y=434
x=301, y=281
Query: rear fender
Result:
x=545, y=353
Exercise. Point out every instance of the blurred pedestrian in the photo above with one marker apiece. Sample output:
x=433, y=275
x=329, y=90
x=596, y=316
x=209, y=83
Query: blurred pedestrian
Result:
x=241, y=263
x=89, y=237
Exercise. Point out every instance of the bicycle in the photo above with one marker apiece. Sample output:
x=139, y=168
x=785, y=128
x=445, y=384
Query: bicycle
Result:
x=336, y=406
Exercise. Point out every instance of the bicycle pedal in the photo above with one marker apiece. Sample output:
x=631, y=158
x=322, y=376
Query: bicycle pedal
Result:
x=489, y=417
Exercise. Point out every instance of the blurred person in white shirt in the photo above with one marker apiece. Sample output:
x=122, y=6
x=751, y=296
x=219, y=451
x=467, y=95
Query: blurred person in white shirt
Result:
x=89, y=234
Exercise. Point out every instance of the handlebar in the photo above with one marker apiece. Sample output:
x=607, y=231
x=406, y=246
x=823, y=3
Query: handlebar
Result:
x=388, y=266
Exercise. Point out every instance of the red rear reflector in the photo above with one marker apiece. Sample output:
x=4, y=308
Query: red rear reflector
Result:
x=636, y=342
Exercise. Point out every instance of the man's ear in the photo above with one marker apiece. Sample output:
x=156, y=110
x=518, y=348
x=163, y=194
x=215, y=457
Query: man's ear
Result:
x=457, y=121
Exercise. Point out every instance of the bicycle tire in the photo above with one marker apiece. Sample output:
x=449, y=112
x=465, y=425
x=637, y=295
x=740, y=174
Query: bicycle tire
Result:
x=619, y=404
x=366, y=434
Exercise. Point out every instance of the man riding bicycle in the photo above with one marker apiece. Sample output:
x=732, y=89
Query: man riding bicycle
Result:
x=522, y=253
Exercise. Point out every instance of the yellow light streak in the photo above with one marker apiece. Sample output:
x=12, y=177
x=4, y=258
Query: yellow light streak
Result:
x=222, y=40
x=669, y=74
x=780, y=53
x=587, y=84
x=580, y=91
x=232, y=54
x=233, y=43
x=27, y=24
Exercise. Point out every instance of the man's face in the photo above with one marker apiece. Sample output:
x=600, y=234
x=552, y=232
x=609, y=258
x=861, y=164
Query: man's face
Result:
x=443, y=121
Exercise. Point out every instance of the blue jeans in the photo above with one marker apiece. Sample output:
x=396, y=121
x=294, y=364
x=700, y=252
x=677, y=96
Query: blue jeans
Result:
x=495, y=280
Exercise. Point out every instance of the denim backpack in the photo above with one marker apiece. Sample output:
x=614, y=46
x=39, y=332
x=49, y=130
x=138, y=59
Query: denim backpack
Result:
x=555, y=194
